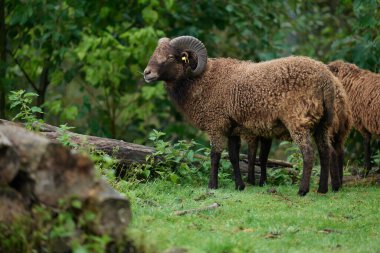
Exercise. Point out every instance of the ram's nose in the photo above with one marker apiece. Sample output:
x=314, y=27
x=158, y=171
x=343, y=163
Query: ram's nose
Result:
x=147, y=71
x=149, y=75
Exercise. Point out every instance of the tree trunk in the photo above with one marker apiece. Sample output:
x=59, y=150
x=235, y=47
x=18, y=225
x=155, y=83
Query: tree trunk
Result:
x=44, y=83
x=3, y=59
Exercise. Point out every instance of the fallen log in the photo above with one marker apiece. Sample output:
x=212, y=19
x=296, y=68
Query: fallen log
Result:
x=9, y=163
x=126, y=153
x=12, y=206
x=356, y=180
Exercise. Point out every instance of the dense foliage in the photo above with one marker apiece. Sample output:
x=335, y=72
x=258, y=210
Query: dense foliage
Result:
x=85, y=59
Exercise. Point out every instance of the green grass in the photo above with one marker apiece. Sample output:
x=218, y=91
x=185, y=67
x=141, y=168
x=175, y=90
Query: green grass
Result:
x=255, y=220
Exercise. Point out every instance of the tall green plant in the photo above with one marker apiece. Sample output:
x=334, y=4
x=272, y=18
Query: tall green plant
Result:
x=21, y=100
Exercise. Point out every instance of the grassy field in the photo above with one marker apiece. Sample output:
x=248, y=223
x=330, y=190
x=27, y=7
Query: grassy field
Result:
x=256, y=220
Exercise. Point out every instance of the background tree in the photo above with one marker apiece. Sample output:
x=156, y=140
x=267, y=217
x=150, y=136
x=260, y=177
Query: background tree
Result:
x=85, y=59
x=3, y=59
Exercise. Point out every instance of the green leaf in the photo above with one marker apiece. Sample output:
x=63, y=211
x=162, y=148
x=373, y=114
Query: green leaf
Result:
x=36, y=109
x=146, y=173
x=30, y=94
x=169, y=4
x=18, y=116
x=173, y=178
x=14, y=104
x=70, y=113
x=149, y=15
x=76, y=204
x=80, y=249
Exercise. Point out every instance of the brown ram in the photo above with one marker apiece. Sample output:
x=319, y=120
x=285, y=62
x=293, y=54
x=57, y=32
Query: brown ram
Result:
x=293, y=95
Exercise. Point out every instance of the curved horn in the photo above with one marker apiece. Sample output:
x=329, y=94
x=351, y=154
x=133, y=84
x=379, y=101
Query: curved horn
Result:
x=196, y=46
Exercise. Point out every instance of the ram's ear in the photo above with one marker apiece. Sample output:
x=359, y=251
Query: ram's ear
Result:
x=192, y=45
x=190, y=59
x=185, y=57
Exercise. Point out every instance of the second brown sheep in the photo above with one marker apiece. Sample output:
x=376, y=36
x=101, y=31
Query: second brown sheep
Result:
x=363, y=90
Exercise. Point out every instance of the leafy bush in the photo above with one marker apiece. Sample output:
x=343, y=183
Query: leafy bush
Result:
x=181, y=162
x=376, y=159
x=66, y=229
x=286, y=176
x=283, y=176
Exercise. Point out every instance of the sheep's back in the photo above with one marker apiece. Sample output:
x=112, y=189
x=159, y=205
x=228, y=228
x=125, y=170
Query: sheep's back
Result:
x=260, y=95
x=364, y=95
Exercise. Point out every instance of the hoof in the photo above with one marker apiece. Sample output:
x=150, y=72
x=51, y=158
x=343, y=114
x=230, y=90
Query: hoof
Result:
x=322, y=190
x=251, y=181
x=302, y=192
x=212, y=186
x=335, y=188
x=240, y=187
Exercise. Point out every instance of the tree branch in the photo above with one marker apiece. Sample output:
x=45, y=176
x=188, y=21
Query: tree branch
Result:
x=23, y=71
x=197, y=210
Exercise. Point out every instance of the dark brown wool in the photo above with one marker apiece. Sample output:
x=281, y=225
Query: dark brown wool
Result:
x=265, y=98
x=342, y=124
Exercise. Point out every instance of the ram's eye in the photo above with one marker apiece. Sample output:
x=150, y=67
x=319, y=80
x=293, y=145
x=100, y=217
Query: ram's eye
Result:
x=171, y=57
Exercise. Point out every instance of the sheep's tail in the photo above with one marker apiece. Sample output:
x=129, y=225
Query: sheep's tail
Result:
x=328, y=100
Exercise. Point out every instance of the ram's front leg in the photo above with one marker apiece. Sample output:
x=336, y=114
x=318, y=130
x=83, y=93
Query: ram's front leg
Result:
x=264, y=153
x=215, y=158
x=217, y=143
x=253, y=142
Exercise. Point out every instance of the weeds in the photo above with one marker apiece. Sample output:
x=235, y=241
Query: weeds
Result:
x=21, y=101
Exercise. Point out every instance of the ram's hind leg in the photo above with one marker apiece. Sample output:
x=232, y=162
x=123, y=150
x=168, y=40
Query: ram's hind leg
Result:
x=378, y=150
x=233, y=153
x=303, y=139
x=367, y=152
x=328, y=160
x=337, y=158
